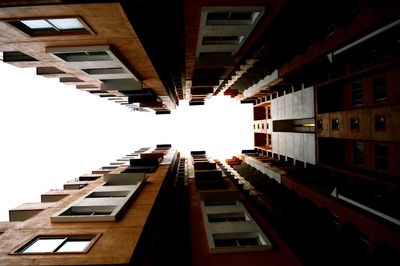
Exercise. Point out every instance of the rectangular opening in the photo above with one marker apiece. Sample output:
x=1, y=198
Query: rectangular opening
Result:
x=221, y=40
x=357, y=94
x=231, y=17
x=57, y=244
x=379, y=89
x=381, y=156
x=227, y=217
x=51, y=26
x=319, y=124
x=354, y=124
x=101, y=71
x=237, y=239
x=335, y=124
x=209, y=202
x=358, y=153
x=108, y=194
x=89, y=177
x=88, y=211
x=215, y=54
x=380, y=123
x=74, y=186
x=48, y=71
x=85, y=56
x=70, y=79
x=17, y=56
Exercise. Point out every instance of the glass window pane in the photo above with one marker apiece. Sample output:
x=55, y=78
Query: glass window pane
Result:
x=67, y=23
x=74, y=246
x=37, y=24
x=44, y=245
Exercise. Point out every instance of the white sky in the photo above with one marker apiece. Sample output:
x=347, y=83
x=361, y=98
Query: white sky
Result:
x=51, y=133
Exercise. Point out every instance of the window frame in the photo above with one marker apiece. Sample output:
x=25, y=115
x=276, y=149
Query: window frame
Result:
x=335, y=123
x=357, y=93
x=355, y=124
x=358, y=153
x=212, y=20
x=67, y=238
x=379, y=157
x=380, y=126
x=26, y=30
x=376, y=90
x=237, y=238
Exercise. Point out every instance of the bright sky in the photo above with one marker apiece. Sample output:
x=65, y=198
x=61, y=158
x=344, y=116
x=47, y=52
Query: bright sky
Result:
x=51, y=133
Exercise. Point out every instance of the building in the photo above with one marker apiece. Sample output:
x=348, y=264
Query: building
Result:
x=322, y=181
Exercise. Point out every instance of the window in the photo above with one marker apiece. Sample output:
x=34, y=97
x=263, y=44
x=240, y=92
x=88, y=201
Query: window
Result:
x=379, y=89
x=214, y=54
x=217, y=203
x=357, y=94
x=381, y=156
x=380, y=123
x=17, y=56
x=358, y=153
x=89, y=177
x=88, y=211
x=108, y=194
x=354, y=124
x=84, y=56
x=74, y=186
x=335, y=124
x=269, y=139
x=221, y=40
x=319, y=124
x=227, y=217
x=237, y=240
x=53, y=26
x=57, y=244
x=101, y=71
x=231, y=18
x=268, y=112
x=110, y=167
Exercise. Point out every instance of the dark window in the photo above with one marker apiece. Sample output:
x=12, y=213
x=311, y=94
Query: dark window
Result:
x=100, y=71
x=88, y=210
x=358, y=153
x=381, y=156
x=354, y=124
x=17, y=56
x=379, y=89
x=335, y=124
x=237, y=242
x=357, y=94
x=108, y=194
x=85, y=56
x=380, y=123
x=227, y=217
x=268, y=112
x=211, y=40
x=231, y=18
x=319, y=124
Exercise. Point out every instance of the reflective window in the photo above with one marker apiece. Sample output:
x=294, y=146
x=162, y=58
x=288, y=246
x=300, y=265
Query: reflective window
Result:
x=50, y=244
x=38, y=27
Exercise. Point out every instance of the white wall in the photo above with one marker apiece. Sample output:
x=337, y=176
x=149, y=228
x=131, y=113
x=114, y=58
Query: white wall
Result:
x=296, y=105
